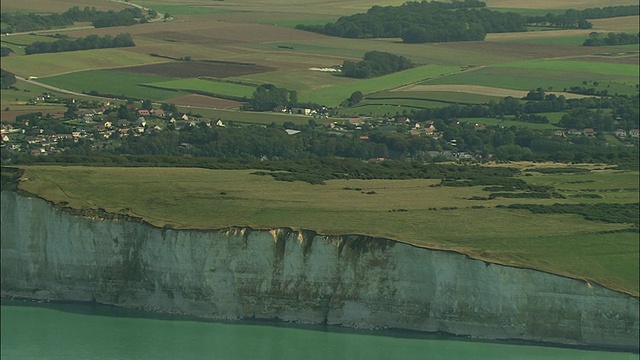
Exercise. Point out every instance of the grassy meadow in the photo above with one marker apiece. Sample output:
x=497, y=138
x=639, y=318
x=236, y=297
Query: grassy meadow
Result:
x=116, y=83
x=210, y=199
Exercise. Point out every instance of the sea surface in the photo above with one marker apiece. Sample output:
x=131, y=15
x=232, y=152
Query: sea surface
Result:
x=79, y=331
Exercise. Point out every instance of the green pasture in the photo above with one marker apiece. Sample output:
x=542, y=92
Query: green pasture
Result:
x=120, y=84
x=334, y=95
x=508, y=122
x=41, y=65
x=527, y=76
x=576, y=66
x=210, y=199
x=208, y=86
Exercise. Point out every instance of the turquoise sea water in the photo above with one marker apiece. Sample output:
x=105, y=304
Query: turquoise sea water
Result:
x=86, y=332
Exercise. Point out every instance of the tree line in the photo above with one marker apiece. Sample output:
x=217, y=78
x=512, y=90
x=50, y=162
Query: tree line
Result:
x=581, y=113
x=424, y=22
x=18, y=22
x=577, y=19
x=86, y=43
x=612, y=39
x=375, y=63
x=421, y=22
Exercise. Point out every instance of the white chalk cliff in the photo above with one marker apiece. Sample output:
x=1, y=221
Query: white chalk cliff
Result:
x=299, y=276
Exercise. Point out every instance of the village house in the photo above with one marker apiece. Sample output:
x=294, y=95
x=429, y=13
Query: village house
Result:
x=158, y=113
x=588, y=132
x=355, y=121
x=143, y=112
x=620, y=133
x=559, y=133
x=634, y=133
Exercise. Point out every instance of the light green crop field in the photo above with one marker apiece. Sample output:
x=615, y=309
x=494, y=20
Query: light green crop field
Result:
x=114, y=83
x=210, y=199
x=65, y=62
x=209, y=86
x=555, y=74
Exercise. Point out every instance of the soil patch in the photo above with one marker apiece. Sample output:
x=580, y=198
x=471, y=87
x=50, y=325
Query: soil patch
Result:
x=204, y=101
x=191, y=69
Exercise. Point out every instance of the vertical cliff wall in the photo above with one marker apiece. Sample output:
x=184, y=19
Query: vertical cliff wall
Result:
x=353, y=281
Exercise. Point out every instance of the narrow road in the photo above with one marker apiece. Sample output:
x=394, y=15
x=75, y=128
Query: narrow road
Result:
x=53, y=88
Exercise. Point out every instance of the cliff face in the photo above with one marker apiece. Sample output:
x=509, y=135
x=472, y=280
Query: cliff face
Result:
x=302, y=277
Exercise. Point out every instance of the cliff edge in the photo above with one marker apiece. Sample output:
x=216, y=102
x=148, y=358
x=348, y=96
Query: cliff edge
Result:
x=299, y=276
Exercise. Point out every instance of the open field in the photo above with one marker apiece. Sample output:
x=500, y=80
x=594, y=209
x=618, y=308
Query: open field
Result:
x=114, y=83
x=557, y=75
x=41, y=65
x=209, y=199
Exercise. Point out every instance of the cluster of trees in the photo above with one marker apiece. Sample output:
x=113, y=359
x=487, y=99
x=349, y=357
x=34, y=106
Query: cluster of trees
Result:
x=612, y=39
x=7, y=79
x=86, y=43
x=420, y=22
x=6, y=51
x=267, y=97
x=375, y=63
x=31, y=21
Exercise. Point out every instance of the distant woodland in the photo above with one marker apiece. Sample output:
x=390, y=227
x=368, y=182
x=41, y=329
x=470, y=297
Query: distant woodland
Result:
x=31, y=21
x=426, y=22
x=612, y=39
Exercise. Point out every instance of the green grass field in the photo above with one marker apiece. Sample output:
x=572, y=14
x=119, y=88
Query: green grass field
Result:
x=113, y=82
x=558, y=75
x=210, y=199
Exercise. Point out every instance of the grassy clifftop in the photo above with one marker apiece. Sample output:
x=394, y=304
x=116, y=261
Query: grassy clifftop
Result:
x=421, y=212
